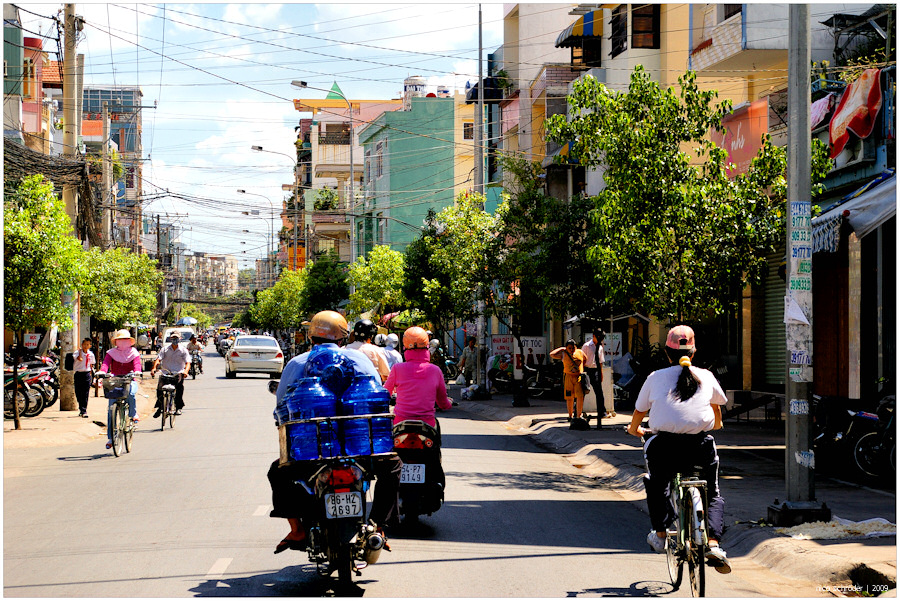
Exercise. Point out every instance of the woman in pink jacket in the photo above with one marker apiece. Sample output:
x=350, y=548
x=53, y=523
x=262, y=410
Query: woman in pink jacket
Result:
x=120, y=361
x=419, y=384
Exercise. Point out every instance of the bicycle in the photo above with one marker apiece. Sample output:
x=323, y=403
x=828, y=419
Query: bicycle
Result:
x=688, y=543
x=121, y=425
x=168, y=381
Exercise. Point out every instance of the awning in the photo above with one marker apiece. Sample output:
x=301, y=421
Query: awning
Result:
x=587, y=25
x=563, y=151
x=868, y=207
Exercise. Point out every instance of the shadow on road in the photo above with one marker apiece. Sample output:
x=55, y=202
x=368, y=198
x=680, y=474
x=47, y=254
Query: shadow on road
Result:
x=291, y=581
x=638, y=589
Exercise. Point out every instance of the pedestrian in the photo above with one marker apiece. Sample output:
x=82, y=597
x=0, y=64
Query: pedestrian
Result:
x=573, y=367
x=684, y=403
x=469, y=360
x=593, y=366
x=84, y=375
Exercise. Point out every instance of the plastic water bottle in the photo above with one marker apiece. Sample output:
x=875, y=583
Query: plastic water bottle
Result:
x=332, y=367
x=310, y=399
x=366, y=395
x=304, y=445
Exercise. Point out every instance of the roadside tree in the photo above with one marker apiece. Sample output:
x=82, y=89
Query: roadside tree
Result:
x=326, y=284
x=42, y=261
x=377, y=280
x=278, y=307
x=119, y=285
x=673, y=235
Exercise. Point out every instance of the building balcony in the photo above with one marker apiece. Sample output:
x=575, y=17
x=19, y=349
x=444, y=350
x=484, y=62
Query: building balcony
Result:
x=342, y=139
x=753, y=39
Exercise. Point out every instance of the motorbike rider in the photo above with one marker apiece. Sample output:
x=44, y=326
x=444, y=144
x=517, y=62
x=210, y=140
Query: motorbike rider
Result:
x=391, y=354
x=290, y=499
x=419, y=384
x=119, y=361
x=364, y=331
x=193, y=346
x=684, y=404
x=176, y=359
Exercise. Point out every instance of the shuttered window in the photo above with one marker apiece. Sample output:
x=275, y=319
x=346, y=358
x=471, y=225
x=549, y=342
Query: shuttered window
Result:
x=645, y=26
x=619, y=30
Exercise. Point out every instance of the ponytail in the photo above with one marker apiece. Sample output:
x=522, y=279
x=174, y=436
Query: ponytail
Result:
x=688, y=383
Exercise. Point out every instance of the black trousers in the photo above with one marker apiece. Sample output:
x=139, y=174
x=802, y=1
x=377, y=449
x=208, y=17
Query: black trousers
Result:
x=179, y=393
x=82, y=389
x=667, y=454
x=594, y=374
x=291, y=500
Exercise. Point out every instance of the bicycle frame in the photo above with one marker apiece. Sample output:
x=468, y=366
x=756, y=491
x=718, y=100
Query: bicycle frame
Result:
x=690, y=540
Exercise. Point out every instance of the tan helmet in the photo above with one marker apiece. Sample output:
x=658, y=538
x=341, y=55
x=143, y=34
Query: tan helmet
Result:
x=415, y=337
x=330, y=325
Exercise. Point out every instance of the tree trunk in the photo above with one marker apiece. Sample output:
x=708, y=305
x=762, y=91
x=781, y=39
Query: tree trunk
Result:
x=20, y=335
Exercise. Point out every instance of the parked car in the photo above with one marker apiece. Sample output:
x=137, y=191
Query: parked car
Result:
x=253, y=353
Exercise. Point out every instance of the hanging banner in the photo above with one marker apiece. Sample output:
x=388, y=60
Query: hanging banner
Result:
x=742, y=139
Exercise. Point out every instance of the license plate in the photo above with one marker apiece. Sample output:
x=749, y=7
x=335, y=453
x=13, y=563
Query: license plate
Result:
x=343, y=505
x=412, y=473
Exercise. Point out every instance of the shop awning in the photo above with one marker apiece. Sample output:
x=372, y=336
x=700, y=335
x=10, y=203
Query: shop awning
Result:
x=588, y=25
x=867, y=208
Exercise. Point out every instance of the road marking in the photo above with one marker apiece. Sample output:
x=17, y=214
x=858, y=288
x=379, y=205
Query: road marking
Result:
x=218, y=568
x=262, y=510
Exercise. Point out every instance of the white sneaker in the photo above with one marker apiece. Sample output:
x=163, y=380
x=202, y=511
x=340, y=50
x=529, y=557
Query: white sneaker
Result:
x=657, y=544
x=715, y=558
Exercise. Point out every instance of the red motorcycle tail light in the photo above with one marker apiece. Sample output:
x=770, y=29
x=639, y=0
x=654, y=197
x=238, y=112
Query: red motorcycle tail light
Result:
x=343, y=476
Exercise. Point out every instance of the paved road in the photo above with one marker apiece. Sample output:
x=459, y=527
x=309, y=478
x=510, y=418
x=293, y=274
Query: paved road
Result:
x=186, y=514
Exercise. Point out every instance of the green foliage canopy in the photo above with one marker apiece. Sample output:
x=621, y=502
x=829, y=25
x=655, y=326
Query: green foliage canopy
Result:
x=326, y=285
x=673, y=234
x=377, y=280
x=119, y=286
x=42, y=259
x=278, y=307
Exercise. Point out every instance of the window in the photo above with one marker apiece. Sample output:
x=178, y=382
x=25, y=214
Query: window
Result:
x=619, y=30
x=729, y=10
x=368, y=175
x=129, y=177
x=28, y=81
x=645, y=26
x=379, y=159
x=468, y=130
x=587, y=54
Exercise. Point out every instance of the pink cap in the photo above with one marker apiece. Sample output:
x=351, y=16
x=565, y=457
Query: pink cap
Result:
x=681, y=338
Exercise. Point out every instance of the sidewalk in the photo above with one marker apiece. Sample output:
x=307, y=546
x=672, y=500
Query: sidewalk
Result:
x=54, y=427
x=751, y=478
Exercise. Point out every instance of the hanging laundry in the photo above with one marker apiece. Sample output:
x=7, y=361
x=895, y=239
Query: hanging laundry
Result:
x=857, y=110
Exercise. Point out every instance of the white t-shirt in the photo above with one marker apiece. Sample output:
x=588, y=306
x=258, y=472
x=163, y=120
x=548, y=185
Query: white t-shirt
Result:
x=668, y=414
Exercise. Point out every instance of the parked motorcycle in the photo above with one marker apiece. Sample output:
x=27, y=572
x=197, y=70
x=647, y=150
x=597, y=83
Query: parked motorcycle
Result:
x=29, y=396
x=501, y=373
x=875, y=453
x=422, y=480
x=544, y=381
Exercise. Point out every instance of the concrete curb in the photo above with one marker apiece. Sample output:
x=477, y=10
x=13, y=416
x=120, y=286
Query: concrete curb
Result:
x=783, y=555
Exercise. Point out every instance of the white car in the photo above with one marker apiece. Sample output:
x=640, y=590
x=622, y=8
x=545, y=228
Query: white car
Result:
x=254, y=353
x=184, y=333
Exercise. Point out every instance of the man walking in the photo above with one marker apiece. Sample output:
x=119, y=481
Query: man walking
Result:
x=468, y=360
x=593, y=365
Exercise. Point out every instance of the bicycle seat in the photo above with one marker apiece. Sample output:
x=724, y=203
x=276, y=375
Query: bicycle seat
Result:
x=169, y=387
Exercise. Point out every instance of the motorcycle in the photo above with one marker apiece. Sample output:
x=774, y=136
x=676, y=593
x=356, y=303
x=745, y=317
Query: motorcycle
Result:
x=501, y=373
x=28, y=394
x=544, y=381
x=875, y=453
x=195, y=364
x=422, y=478
x=339, y=537
x=836, y=428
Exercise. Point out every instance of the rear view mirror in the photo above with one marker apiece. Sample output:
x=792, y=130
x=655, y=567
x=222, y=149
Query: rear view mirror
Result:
x=273, y=386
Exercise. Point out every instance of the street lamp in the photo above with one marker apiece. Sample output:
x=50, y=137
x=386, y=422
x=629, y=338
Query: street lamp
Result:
x=352, y=204
x=258, y=148
x=271, y=234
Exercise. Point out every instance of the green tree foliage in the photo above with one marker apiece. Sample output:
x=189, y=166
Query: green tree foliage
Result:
x=326, y=200
x=279, y=307
x=326, y=285
x=246, y=278
x=203, y=320
x=42, y=260
x=377, y=280
x=673, y=234
x=119, y=285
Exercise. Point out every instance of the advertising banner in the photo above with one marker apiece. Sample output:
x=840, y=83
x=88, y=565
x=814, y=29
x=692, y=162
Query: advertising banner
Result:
x=502, y=343
x=612, y=346
x=32, y=340
x=535, y=349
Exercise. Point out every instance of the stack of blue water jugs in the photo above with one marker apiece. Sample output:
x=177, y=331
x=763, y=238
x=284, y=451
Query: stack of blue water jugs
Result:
x=329, y=377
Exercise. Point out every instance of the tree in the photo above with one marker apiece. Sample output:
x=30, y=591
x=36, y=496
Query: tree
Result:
x=246, y=278
x=278, y=307
x=326, y=285
x=674, y=235
x=203, y=320
x=326, y=200
x=119, y=285
x=377, y=281
x=42, y=261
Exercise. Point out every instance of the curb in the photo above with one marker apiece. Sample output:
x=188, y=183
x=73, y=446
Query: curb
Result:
x=778, y=553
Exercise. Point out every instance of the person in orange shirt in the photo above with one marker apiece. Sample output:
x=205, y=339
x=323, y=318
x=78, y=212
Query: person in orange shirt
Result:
x=573, y=367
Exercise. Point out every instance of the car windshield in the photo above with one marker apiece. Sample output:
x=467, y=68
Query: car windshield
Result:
x=256, y=341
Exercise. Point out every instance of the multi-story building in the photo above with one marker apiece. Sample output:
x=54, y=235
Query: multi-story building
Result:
x=13, y=72
x=207, y=275
x=333, y=139
x=125, y=131
x=416, y=160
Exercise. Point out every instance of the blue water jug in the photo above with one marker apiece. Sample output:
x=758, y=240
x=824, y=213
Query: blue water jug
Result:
x=332, y=367
x=305, y=445
x=310, y=399
x=365, y=395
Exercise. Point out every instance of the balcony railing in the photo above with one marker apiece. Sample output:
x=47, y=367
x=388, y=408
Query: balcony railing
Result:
x=335, y=139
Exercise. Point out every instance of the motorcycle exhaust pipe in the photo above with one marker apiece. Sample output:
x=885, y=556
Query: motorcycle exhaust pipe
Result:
x=372, y=547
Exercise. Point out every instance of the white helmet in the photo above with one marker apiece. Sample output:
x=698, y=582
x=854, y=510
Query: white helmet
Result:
x=393, y=340
x=434, y=343
x=380, y=339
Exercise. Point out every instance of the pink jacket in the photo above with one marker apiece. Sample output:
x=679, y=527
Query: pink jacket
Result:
x=419, y=385
x=119, y=363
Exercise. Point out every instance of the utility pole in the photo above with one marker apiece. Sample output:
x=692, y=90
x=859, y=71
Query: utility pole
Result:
x=67, y=400
x=107, y=181
x=479, y=189
x=801, y=505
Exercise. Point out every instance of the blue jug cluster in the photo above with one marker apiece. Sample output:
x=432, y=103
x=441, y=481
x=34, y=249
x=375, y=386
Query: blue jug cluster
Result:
x=329, y=377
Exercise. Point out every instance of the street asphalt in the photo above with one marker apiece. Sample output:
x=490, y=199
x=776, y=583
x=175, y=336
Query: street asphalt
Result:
x=751, y=478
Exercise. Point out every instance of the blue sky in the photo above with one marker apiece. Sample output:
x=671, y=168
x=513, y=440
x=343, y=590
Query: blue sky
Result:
x=220, y=77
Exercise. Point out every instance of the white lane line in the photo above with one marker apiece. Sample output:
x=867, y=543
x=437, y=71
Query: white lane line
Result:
x=262, y=510
x=218, y=568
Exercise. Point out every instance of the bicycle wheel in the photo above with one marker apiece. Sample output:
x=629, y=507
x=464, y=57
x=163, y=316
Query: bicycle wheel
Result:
x=697, y=557
x=674, y=559
x=867, y=453
x=118, y=432
x=129, y=432
x=692, y=555
x=162, y=410
x=170, y=409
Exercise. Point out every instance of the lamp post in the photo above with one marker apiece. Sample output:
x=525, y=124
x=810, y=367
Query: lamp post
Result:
x=271, y=235
x=258, y=148
x=352, y=204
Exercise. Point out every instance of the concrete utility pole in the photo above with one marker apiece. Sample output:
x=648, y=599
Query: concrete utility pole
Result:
x=107, y=182
x=798, y=315
x=480, y=379
x=67, y=401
